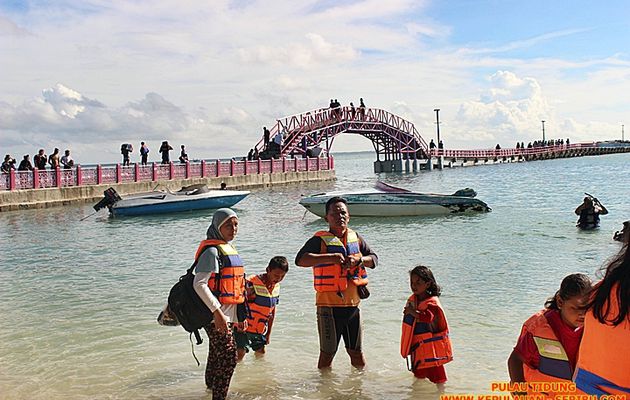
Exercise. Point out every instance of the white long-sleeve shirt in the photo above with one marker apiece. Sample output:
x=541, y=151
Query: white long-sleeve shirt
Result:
x=207, y=264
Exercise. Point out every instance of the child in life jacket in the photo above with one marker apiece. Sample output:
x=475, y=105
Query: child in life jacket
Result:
x=425, y=341
x=547, y=348
x=263, y=293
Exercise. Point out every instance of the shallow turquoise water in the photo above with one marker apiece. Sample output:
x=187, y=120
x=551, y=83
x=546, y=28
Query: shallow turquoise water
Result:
x=78, y=300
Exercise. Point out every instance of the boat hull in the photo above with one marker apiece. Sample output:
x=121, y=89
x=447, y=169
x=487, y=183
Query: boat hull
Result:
x=397, y=205
x=153, y=204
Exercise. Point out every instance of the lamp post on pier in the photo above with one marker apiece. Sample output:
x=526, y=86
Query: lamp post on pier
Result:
x=623, y=139
x=437, y=123
x=543, y=127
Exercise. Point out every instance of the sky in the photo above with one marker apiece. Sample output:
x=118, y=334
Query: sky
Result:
x=89, y=75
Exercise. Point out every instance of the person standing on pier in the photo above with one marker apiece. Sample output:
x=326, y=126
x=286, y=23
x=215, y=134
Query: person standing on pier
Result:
x=25, y=164
x=338, y=258
x=67, y=160
x=589, y=212
x=8, y=164
x=125, y=150
x=53, y=159
x=40, y=159
x=144, y=153
x=164, y=149
x=183, y=156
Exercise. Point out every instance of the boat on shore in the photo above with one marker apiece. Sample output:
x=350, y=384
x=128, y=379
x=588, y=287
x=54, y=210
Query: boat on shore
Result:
x=388, y=201
x=194, y=197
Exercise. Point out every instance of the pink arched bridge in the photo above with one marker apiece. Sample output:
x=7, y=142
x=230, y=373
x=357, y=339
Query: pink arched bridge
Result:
x=396, y=139
x=393, y=137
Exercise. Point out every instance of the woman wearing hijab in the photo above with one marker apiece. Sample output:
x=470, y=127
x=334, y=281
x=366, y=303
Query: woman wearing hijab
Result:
x=220, y=283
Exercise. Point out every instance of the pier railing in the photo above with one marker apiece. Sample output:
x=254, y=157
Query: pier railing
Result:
x=485, y=153
x=102, y=175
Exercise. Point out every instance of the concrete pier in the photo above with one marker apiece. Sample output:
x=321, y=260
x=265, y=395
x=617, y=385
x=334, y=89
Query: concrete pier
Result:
x=56, y=196
x=438, y=159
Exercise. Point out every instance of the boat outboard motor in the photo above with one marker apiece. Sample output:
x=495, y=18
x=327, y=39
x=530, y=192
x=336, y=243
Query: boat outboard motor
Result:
x=111, y=197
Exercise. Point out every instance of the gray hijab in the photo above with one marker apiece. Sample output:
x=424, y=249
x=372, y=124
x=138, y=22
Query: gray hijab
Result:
x=219, y=218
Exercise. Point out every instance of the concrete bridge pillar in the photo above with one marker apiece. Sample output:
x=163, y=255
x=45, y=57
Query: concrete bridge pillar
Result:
x=377, y=167
x=440, y=162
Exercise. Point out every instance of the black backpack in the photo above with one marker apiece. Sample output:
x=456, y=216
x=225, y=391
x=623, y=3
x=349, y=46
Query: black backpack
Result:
x=191, y=312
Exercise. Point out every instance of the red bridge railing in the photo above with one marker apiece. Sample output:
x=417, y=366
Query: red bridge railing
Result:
x=103, y=175
x=316, y=125
x=483, y=153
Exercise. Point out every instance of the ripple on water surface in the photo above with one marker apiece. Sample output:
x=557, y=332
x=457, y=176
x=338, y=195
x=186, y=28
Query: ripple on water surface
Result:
x=79, y=299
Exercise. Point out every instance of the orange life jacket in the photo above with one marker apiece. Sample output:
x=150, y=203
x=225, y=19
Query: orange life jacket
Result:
x=422, y=347
x=229, y=284
x=261, y=309
x=330, y=277
x=554, y=365
x=603, y=367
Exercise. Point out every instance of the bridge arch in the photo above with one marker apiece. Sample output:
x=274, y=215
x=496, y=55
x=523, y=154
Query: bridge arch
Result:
x=392, y=137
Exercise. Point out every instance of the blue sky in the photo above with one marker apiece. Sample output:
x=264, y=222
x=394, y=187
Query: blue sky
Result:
x=88, y=75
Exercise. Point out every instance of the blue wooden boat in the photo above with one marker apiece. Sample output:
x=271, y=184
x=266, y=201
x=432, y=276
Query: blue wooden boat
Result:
x=196, y=197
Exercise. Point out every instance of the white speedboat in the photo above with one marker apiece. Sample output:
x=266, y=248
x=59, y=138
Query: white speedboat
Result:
x=196, y=197
x=389, y=201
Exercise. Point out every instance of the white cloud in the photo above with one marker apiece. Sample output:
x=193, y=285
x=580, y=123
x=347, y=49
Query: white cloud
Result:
x=10, y=28
x=316, y=52
x=509, y=110
x=63, y=117
x=211, y=74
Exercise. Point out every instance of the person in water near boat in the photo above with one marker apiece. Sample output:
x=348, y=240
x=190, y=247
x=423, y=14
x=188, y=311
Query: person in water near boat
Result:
x=218, y=261
x=547, y=348
x=603, y=367
x=589, y=212
x=338, y=258
x=624, y=234
x=263, y=294
x=425, y=341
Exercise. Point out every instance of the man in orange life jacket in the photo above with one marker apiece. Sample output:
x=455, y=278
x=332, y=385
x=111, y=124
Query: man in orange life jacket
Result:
x=338, y=257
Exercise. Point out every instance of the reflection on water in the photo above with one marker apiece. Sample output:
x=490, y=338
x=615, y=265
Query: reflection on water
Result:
x=79, y=299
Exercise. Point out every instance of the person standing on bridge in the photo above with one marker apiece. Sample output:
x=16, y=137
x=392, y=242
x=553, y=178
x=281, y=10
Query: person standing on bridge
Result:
x=353, y=111
x=278, y=140
x=266, y=137
x=361, y=109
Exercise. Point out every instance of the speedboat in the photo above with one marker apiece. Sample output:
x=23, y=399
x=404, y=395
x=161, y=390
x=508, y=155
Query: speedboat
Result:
x=389, y=201
x=194, y=197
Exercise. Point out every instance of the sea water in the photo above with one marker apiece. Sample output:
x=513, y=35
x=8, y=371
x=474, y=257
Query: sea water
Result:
x=79, y=299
